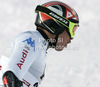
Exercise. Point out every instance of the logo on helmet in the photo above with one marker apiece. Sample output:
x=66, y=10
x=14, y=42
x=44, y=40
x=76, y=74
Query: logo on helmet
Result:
x=69, y=15
x=58, y=17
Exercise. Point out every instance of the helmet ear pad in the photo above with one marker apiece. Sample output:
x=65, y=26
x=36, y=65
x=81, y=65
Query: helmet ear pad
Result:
x=54, y=26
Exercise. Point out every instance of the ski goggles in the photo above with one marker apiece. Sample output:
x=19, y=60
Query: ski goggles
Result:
x=69, y=24
x=72, y=28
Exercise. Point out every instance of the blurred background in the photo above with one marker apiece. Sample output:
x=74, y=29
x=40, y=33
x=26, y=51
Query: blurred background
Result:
x=75, y=66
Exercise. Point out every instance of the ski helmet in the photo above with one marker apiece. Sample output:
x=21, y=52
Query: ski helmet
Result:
x=56, y=16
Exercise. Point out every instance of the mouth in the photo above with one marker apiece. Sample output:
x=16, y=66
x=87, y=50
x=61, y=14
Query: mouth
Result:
x=66, y=46
x=69, y=42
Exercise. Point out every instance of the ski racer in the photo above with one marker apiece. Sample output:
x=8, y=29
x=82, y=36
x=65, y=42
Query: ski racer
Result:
x=26, y=65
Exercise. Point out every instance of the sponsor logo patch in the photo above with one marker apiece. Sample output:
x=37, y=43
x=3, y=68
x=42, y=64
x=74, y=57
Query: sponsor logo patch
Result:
x=24, y=56
x=30, y=42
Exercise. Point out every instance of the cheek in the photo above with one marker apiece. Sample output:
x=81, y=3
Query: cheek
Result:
x=63, y=39
x=66, y=39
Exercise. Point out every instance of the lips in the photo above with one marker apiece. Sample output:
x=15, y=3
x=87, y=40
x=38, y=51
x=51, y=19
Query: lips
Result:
x=69, y=41
x=66, y=46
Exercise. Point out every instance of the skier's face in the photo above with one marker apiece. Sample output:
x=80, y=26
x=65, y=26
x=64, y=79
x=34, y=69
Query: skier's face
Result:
x=63, y=40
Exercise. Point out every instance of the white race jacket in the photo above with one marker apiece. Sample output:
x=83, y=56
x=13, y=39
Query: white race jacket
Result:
x=27, y=60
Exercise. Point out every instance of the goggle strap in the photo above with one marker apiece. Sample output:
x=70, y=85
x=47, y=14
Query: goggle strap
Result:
x=75, y=21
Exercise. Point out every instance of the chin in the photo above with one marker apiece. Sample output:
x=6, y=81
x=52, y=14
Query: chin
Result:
x=59, y=49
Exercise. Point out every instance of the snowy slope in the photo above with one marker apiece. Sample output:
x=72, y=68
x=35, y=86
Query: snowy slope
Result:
x=76, y=66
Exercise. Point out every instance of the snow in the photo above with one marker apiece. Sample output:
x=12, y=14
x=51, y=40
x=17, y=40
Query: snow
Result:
x=76, y=66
